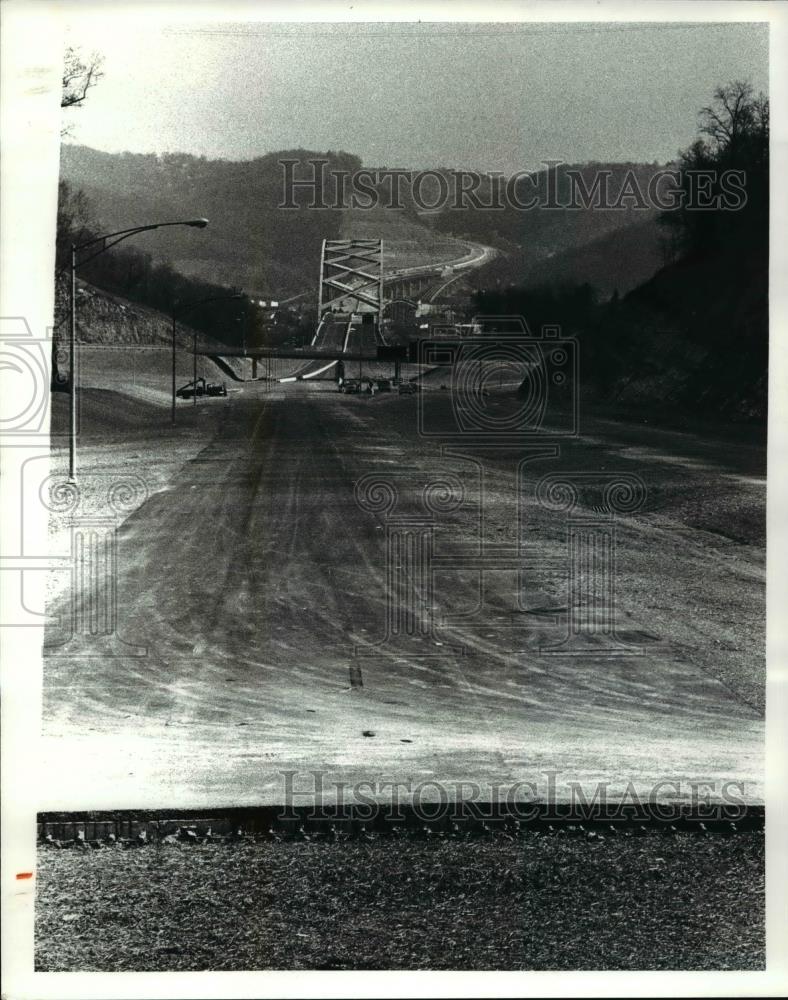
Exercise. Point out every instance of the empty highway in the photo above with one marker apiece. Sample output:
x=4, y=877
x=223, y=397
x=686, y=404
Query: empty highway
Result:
x=252, y=579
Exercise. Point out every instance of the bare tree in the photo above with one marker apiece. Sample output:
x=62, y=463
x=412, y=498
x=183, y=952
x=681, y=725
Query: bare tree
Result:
x=735, y=114
x=79, y=75
x=734, y=136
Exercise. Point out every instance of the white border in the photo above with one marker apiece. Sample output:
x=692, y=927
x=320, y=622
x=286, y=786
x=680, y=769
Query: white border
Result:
x=31, y=50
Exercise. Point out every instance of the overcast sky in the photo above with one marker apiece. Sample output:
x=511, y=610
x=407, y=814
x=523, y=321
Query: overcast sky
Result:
x=490, y=97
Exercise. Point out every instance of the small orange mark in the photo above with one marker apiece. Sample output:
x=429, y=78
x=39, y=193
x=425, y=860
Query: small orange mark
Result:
x=21, y=875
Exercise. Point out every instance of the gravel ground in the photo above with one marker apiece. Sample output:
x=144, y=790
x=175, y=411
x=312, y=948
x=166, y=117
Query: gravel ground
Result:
x=554, y=901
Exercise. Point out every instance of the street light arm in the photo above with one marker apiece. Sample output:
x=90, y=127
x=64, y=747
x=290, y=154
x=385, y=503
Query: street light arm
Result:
x=116, y=237
x=108, y=246
x=124, y=233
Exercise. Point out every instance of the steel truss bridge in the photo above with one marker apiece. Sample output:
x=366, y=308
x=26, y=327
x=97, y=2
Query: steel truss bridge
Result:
x=353, y=295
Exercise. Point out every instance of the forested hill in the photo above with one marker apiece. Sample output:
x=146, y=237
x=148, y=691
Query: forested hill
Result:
x=693, y=337
x=250, y=241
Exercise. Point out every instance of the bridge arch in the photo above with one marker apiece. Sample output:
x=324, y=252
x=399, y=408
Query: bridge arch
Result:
x=351, y=277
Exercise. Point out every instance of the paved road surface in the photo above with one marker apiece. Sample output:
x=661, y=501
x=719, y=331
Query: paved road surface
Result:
x=253, y=578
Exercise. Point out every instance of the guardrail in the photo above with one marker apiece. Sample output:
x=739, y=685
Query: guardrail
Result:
x=453, y=820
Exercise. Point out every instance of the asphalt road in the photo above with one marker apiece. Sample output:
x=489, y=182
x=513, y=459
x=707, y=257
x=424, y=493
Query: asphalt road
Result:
x=329, y=335
x=255, y=576
x=334, y=335
x=476, y=255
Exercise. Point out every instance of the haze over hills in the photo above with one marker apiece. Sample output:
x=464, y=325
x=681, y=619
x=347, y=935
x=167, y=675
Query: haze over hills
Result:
x=249, y=243
x=620, y=260
x=613, y=242
x=253, y=243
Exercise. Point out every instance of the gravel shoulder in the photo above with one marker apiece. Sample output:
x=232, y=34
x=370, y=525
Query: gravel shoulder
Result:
x=550, y=901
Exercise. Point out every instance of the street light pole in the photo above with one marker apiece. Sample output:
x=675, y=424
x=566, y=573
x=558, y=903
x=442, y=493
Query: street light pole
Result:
x=194, y=358
x=180, y=312
x=72, y=371
x=174, y=322
x=116, y=237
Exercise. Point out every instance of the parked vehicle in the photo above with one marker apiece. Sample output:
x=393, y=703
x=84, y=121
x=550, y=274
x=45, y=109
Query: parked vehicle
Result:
x=408, y=388
x=350, y=386
x=201, y=388
x=384, y=385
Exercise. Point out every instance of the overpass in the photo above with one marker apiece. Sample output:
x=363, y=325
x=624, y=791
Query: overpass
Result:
x=353, y=294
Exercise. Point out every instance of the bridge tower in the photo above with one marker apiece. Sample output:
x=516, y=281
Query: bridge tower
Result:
x=351, y=278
